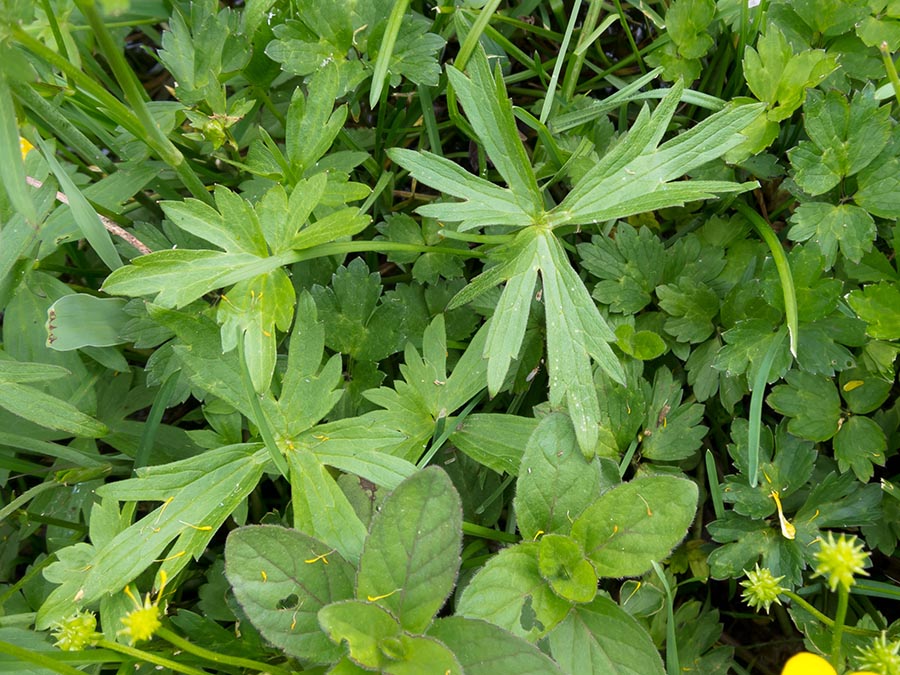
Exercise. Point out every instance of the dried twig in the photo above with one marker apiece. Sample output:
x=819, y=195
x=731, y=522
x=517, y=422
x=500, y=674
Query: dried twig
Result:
x=111, y=227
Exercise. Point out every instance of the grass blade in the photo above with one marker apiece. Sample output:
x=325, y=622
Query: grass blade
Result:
x=756, y=401
x=383, y=60
x=784, y=270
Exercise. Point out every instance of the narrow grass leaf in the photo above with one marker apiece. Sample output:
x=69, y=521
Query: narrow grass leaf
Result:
x=48, y=411
x=12, y=166
x=756, y=401
x=84, y=214
x=386, y=50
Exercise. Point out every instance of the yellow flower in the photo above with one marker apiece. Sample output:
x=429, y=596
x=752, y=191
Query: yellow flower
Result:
x=25, y=147
x=805, y=663
x=143, y=621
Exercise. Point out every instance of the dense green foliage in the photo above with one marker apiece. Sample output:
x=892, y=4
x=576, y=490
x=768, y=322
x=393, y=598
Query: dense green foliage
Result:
x=459, y=337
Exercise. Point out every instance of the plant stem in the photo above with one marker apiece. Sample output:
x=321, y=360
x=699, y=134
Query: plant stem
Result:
x=137, y=99
x=38, y=658
x=150, y=657
x=216, y=657
x=865, y=632
x=837, y=631
x=891, y=70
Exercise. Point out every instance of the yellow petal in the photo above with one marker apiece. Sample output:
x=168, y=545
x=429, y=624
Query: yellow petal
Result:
x=805, y=663
x=25, y=147
x=788, y=531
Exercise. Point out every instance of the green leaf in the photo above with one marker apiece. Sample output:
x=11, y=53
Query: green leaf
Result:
x=779, y=77
x=877, y=304
x=859, y=445
x=356, y=323
x=636, y=523
x=198, y=495
x=556, y=483
x=489, y=109
x=630, y=267
x=507, y=331
x=831, y=17
x=426, y=376
x=281, y=218
x=81, y=320
x=373, y=636
x=562, y=564
x=691, y=306
x=510, y=592
x=674, y=66
x=873, y=32
x=494, y=440
x=830, y=226
x=637, y=176
x=178, y=277
x=342, y=223
x=252, y=311
x=48, y=411
x=879, y=183
x=281, y=591
x=623, y=407
x=576, y=333
x=644, y=345
x=312, y=122
x=672, y=430
x=485, y=649
x=745, y=349
x=323, y=35
x=414, y=55
x=321, y=509
x=421, y=654
x=232, y=225
x=863, y=391
x=484, y=203
x=811, y=402
x=687, y=22
x=411, y=556
x=307, y=387
x=845, y=138
x=600, y=638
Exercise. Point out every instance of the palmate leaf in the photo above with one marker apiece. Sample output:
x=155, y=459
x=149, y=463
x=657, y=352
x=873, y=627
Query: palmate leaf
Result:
x=635, y=176
x=197, y=495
